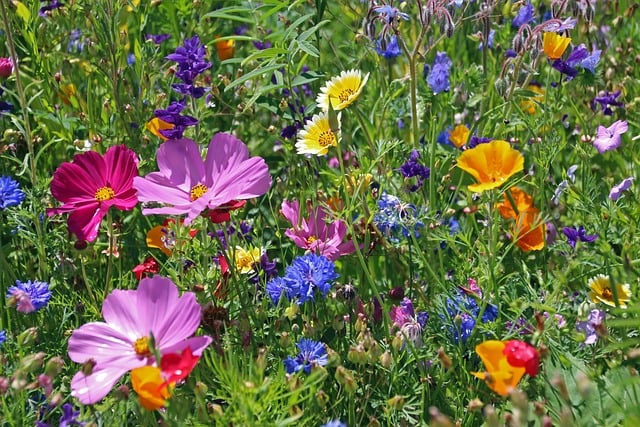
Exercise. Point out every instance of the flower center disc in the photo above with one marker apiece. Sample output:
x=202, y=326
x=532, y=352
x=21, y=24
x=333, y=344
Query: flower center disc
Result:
x=326, y=138
x=198, y=191
x=345, y=94
x=141, y=346
x=607, y=294
x=105, y=193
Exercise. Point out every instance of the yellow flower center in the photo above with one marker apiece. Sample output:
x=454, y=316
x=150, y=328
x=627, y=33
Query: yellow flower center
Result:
x=244, y=261
x=607, y=294
x=198, y=191
x=326, y=138
x=105, y=193
x=311, y=239
x=345, y=94
x=141, y=346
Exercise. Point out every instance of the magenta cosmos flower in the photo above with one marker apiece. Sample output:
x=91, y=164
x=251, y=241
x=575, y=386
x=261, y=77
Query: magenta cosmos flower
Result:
x=91, y=184
x=319, y=233
x=189, y=185
x=123, y=342
x=610, y=138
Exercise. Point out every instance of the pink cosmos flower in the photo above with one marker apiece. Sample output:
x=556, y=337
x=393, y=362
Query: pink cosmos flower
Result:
x=190, y=186
x=154, y=315
x=6, y=67
x=91, y=184
x=609, y=138
x=319, y=233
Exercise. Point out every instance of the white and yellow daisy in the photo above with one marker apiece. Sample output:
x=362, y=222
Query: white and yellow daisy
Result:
x=342, y=90
x=601, y=291
x=317, y=136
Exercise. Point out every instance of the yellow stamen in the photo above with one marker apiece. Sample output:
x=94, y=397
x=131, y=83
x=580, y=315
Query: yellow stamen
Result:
x=198, y=191
x=105, y=193
x=141, y=346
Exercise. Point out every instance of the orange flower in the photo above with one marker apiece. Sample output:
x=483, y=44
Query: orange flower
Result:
x=163, y=238
x=522, y=200
x=155, y=125
x=530, y=105
x=554, y=44
x=459, y=135
x=225, y=49
x=499, y=376
x=529, y=232
x=491, y=164
x=151, y=388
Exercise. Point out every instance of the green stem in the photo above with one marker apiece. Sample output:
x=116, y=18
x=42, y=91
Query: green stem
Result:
x=107, y=284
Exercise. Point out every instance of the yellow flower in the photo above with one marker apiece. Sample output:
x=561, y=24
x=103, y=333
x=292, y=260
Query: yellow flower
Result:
x=151, y=388
x=225, y=49
x=491, y=164
x=317, y=136
x=459, y=135
x=554, y=44
x=500, y=376
x=155, y=125
x=342, y=90
x=530, y=105
x=245, y=259
x=601, y=291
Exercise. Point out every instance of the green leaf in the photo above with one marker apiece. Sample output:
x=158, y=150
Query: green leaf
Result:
x=22, y=11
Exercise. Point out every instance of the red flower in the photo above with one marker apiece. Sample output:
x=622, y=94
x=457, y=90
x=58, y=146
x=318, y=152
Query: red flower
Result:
x=522, y=355
x=91, y=184
x=223, y=213
x=176, y=367
x=150, y=265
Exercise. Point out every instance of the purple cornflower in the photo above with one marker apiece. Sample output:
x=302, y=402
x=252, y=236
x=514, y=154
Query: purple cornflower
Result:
x=413, y=168
x=172, y=115
x=157, y=38
x=10, y=193
x=311, y=353
x=438, y=75
x=306, y=274
x=616, y=190
x=48, y=6
x=524, y=16
x=388, y=48
x=191, y=63
x=607, y=100
x=593, y=327
x=574, y=234
x=29, y=296
x=609, y=138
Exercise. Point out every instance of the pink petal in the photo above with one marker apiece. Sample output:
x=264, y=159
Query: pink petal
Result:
x=121, y=311
x=122, y=166
x=196, y=344
x=101, y=342
x=91, y=389
x=225, y=152
x=85, y=221
x=155, y=187
x=180, y=161
x=250, y=179
x=291, y=211
x=72, y=184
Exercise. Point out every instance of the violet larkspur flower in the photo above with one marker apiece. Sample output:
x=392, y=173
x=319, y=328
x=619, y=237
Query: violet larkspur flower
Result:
x=306, y=274
x=438, y=75
x=311, y=353
x=29, y=296
x=69, y=417
x=609, y=138
x=574, y=234
x=135, y=320
x=172, y=116
x=579, y=57
x=10, y=193
x=191, y=63
x=157, y=38
x=593, y=327
x=48, y=6
x=413, y=168
x=524, y=16
x=190, y=185
x=409, y=325
x=606, y=100
x=616, y=190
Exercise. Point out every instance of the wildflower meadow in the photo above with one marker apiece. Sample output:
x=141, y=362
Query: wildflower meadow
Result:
x=319, y=213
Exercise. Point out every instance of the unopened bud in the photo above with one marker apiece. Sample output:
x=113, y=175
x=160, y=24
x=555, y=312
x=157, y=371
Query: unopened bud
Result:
x=396, y=402
x=386, y=359
x=444, y=359
x=54, y=366
x=28, y=337
x=31, y=362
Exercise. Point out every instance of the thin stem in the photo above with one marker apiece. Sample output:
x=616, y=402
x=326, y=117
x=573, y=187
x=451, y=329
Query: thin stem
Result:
x=107, y=284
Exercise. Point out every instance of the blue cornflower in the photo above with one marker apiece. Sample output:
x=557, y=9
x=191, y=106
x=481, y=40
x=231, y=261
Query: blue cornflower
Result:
x=438, y=75
x=3, y=337
x=463, y=309
x=10, y=193
x=312, y=353
x=302, y=277
x=606, y=101
x=191, y=63
x=29, y=296
x=334, y=423
x=574, y=234
x=524, y=16
x=395, y=218
x=388, y=48
x=413, y=168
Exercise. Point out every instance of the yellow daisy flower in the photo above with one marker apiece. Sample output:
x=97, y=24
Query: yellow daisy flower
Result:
x=491, y=164
x=554, y=44
x=245, y=259
x=317, y=136
x=601, y=292
x=342, y=90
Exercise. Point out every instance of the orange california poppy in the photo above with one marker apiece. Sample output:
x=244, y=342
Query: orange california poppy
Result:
x=225, y=49
x=522, y=201
x=499, y=376
x=155, y=125
x=528, y=231
x=491, y=164
x=554, y=44
x=459, y=135
x=151, y=388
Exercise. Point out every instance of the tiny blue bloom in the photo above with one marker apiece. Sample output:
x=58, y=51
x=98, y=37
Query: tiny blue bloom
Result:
x=310, y=353
x=29, y=296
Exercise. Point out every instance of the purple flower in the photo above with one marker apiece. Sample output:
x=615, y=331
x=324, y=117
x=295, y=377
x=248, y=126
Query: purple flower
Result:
x=616, y=190
x=390, y=13
x=413, y=168
x=191, y=63
x=609, y=138
x=407, y=322
x=579, y=57
x=189, y=185
x=524, y=16
x=438, y=75
x=29, y=296
x=157, y=38
x=574, y=234
x=490, y=40
x=49, y=6
x=606, y=101
x=10, y=193
x=388, y=48
x=69, y=416
x=172, y=115
x=593, y=327
x=311, y=353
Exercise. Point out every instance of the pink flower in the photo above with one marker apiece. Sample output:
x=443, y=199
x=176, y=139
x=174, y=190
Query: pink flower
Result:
x=609, y=138
x=319, y=233
x=190, y=186
x=616, y=190
x=6, y=67
x=93, y=183
x=152, y=314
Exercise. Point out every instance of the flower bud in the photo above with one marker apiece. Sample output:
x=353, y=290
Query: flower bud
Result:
x=386, y=359
x=28, y=337
x=54, y=366
x=31, y=362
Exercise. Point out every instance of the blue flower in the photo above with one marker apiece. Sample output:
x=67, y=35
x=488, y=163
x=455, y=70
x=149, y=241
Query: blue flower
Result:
x=311, y=353
x=438, y=75
x=69, y=416
x=524, y=16
x=334, y=423
x=463, y=310
x=157, y=38
x=29, y=296
x=388, y=48
x=390, y=13
x=579, y=57
x=191, y=63
x=306, y=274
x=48, y=6
x=413, y=168
x=574, y=234
x=10, y=193
x=3, y=337
x=396, y=218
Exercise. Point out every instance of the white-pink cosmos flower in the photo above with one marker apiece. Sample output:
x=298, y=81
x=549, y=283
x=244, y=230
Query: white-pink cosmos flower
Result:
x=123, y=341
x=189, y=185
